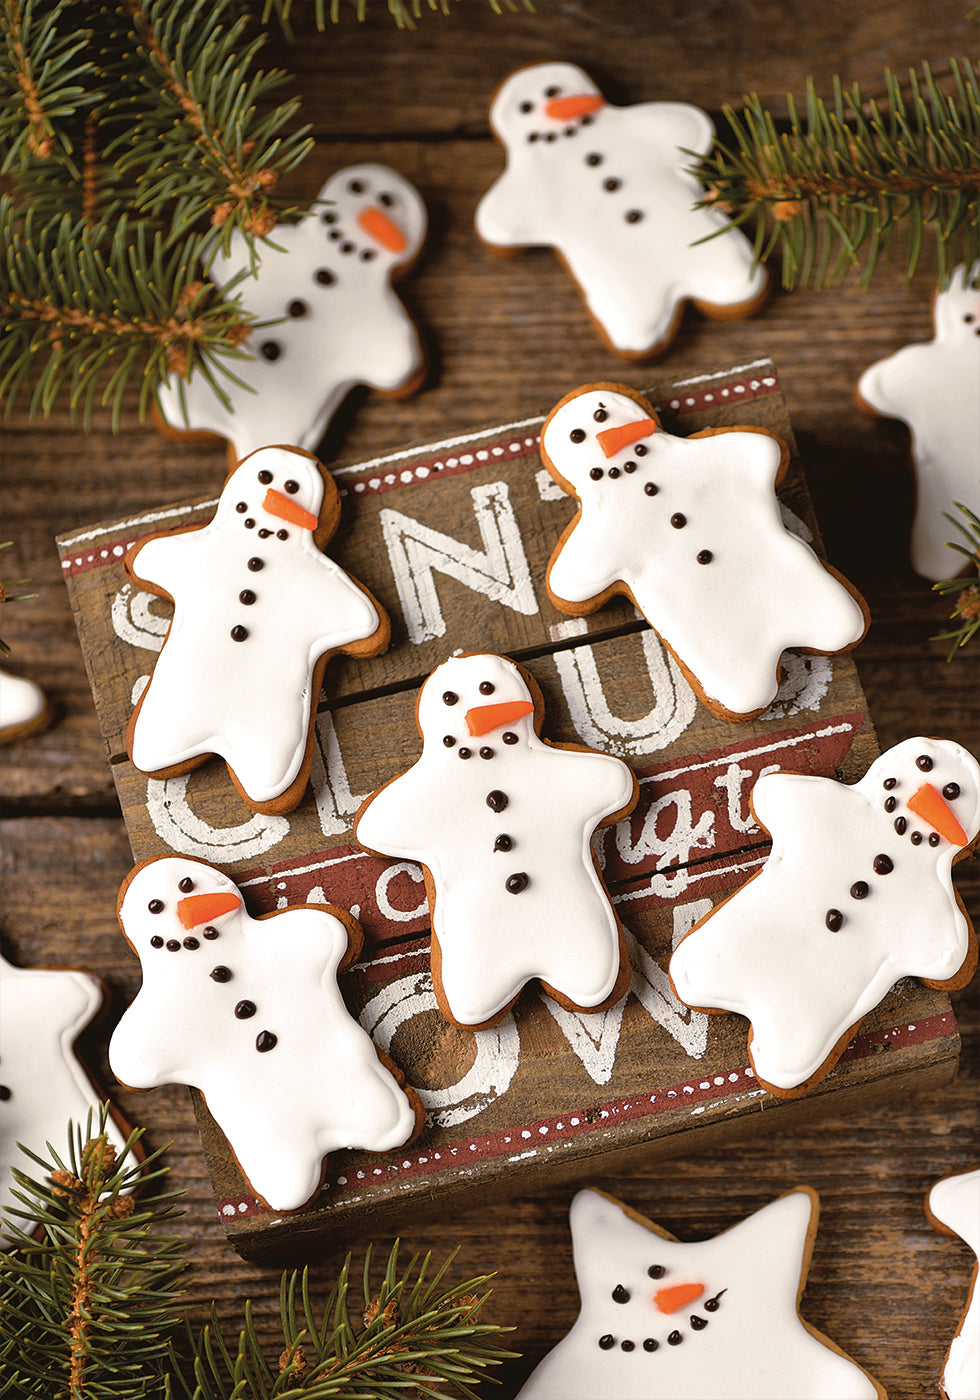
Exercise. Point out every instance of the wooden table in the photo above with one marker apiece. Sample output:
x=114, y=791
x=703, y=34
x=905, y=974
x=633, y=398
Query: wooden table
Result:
x=507, y=340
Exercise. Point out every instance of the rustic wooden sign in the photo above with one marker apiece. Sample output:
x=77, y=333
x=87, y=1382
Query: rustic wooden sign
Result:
x=453, y=538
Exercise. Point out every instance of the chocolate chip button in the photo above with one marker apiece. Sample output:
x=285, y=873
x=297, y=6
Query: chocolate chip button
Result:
x=497, y=800
x=244, y=1010
x=517, y=882
x=220, y=974
x=265, y=1040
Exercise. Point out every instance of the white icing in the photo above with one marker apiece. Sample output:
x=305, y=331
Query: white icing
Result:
x=560, y=928
x=320, y=1087
x=768, y=953
x=727, y=620
x=22, y=701
x=250, y=700
x=752, y=1346
x=935, y=389
x=955, y=1203
x=633, y=273
x=353, y=328
x=42, y=1013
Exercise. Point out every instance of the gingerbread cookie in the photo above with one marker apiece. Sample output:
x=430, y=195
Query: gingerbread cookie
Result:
x=935, y=389
x=663, y=1320
x=249, y=1012
x=953, y=1206
x=690, y=530
x=501, y=820
x=258, y=611
x=42, y=1084
x=328, y=317
x=856, y=893
x=24, y=708
x=609, y=189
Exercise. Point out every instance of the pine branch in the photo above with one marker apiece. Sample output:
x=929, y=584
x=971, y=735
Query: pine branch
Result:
x=849, y=182
x=89, y=1310
x=966, y=612
x=403, y=12
x=415, y=1336
x=86, y=308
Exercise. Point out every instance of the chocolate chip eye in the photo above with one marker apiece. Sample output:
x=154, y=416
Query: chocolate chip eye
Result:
x=324, y=276
x=241, y=507
x=552, y=92
x=951, y=791
x=620, y=1294
x=291, y=487
x=526, y=107
x=449, y=740
x=186, y=885
x=449, y=697
x=155, y=906
x=386, y=199
x=924, y=763
x=487, y=687
x=600, y=415
x=577, y=435
x=355, y=186
x=656, y=1271
x=270, y=350
x=265, y=477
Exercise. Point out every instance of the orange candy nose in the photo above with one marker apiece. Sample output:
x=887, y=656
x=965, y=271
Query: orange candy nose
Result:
x=668, y=1300
x=482, y=718
x=197, y=909
x=933, y=808
x=612, y=439
x=284, y=509
x=566, y=109
x=376, y=224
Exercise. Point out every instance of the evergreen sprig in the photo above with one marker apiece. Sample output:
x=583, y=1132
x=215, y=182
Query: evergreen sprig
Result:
x=91, y=1304
x=965, y=588
x=89, y=1310
x=413, y=1337
x=405, y=13
x=852, y=181
x=136, y=136
x=6, y=584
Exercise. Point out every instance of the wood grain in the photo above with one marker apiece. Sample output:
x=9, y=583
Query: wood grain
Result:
x=507, y=340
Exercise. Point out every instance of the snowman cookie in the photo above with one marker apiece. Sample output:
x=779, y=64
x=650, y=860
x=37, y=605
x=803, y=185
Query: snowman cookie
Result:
x=690, y=530
x=42, y=1084
x=609, y=189
x=856, y=893
x=935, y=389
x=328, y=317
x=953, y=1206
x=249, y=1012
x=24, y=708
x=502, y=822
x=713, y=1320
x=258, y=612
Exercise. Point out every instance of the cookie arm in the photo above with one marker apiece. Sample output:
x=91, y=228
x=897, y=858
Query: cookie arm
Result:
x=580, y=568
x=678, y=126
x=162, y=561
x=141, y=1051
x=513, y=213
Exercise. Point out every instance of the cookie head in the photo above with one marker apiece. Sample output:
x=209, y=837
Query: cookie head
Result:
x=929, y=791
x=274, y=492
x=176, y=906
x=544, y=104
x=369, y=215
x=597, y=435
x=469, y=700
x=646, y=1292
x=956, y=312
